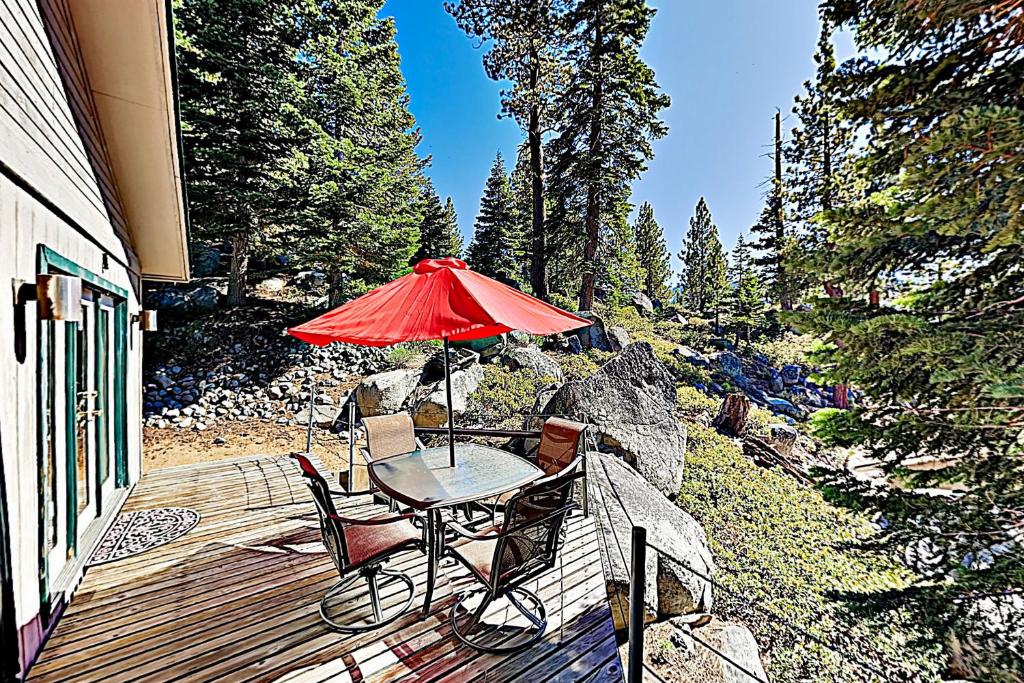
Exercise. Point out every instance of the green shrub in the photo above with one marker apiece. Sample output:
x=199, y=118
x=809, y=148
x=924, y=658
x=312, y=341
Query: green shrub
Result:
x=576, y=366
x=758, y=420
x=399, y=356
x=505, y=393
x=694, y=404
x=789, y=349
x=834, y=427
x=781, y=545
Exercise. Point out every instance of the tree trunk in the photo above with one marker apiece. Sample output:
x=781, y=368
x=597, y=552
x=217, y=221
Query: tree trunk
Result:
x=335, y=288
x=538, y=261
x=732, y=416
x=238, y=280
x=593, y=218
x=839, y=397
x=785, y=299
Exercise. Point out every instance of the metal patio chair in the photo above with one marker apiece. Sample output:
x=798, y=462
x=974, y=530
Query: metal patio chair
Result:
x=388, y=436
x=559, y=447
x=505, y=557
x=360, y=548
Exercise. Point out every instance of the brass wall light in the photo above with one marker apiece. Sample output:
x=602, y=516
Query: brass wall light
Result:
x=57, y=297
x=146, y=320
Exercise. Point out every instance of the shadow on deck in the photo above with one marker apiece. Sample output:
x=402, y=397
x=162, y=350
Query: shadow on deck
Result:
x=236, y=598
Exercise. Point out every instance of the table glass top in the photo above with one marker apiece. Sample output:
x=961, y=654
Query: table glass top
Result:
x=424, y=478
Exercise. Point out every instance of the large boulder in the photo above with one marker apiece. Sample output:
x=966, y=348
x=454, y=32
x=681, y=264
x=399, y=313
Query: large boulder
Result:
x=678, y=559
x=593, y=337
x=642, y=303
x=987, y=640
x=618, y=338
x=204, y=259
x=203, y=297
x=791, y=374
x=696, y=663
x=385, y=392
x=783, y=407
x=630, y=403
x=532, y=359
x=168, y=299
x=694, y=358
x=432, y=411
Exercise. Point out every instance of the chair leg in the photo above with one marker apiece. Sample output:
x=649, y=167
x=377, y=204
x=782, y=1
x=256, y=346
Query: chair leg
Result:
x=537, y=620
x=379, y=617
x=371, y=583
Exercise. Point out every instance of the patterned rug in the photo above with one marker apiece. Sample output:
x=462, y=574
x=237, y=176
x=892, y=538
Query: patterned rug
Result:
x=136, y=532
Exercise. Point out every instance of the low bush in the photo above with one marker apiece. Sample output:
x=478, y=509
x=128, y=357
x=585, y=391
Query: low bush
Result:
x=504, y=394
x=782, y=546
x=789, y=349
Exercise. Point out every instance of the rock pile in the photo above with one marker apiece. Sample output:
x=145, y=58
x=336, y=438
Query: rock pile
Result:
x=259, y=379
x=787, y=391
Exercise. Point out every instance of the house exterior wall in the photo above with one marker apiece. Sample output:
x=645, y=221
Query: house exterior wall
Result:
x=56, y=193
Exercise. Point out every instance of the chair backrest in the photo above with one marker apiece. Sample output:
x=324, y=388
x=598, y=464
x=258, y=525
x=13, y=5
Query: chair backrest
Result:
x=529, y=536
x=330, y=529
x=389, y=435
x=559, y=443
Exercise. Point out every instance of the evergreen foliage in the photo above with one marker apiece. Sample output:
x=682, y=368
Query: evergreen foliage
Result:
x=496, y=230
x=941, y=231
x=621, y=273
x=703, y=281
x=526, y=40
x=747, y=303
x=241, y=120
x=652, y=251
x=439, y=232
x=609, y=113
x=771, y=240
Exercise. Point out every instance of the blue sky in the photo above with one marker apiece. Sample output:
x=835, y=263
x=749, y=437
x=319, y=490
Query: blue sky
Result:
x=726, y=65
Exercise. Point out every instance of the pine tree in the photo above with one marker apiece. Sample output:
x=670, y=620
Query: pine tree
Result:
x=818, y=157
x=772, y=241
x=747, y=303
x=621, y=273
x=493, y=248
x=942, y=223
x=526, y=39
x=653, y=253
x=439, y=232
x=364, y=175
x=242, y=132
x=703, y=280
x=609, y=117
x=520, y=184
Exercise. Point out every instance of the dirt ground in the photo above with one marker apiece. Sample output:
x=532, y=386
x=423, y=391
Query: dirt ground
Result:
x=170, y=447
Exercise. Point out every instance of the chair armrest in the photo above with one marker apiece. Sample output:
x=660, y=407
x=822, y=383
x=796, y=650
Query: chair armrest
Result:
x=353, y=494
x=466, y=533
x=372, y=522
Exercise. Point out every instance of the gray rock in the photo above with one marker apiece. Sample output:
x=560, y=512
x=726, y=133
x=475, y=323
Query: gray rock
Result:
x=533, y=359
x=782, y=438
x=618, y=338
x=620, y=499
x=203, y=297
x=385, y=392
x=575, y=345
x=593, y=337
x=695, y=358
x=272, y=284
x=432, y=411
x=782, y=406
x=987, y=640
x=791, y=374
x=630, y=401
x=642, y=303
x=307, y=279
x=728, y=363
x=775, y=384
x=164, y=381
x=204, y=258
x=734, y=641
x=167, y=299
x=322, y=415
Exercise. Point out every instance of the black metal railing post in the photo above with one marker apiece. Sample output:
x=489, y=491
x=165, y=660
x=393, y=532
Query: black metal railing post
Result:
x=637, y=580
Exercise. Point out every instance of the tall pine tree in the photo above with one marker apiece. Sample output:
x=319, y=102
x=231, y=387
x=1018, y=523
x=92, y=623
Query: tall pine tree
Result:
x=747, y=301
x=652, y=251
x=364, y=175
x=772, y=241
x=703, y=281
x=439, y=231
x=242, y=132
x=493, y=248
x=609, y=117
x=526, y=39
x=943, y=221
x=621, y=274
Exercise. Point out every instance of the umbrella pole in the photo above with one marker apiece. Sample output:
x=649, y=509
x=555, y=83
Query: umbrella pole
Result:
x=451, y=413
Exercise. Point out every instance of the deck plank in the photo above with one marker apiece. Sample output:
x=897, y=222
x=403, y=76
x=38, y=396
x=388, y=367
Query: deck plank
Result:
x=236, y=599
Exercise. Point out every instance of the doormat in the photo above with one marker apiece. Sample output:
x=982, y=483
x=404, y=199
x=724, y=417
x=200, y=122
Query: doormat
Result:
x=136, y=532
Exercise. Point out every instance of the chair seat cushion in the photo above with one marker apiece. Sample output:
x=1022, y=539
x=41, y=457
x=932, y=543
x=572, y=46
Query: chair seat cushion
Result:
x=370, y=542
x=478, y=555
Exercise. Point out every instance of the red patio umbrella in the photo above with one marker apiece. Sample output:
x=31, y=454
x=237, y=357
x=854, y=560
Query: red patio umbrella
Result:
x=440, y=299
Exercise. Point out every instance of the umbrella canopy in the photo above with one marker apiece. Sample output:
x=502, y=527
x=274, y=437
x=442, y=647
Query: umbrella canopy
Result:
x=440, y=298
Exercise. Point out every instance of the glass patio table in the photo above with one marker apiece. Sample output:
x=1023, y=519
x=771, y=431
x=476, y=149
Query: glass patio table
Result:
x=424, y=481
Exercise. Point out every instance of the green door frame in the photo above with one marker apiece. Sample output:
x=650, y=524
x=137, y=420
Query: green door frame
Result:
x=49, y=261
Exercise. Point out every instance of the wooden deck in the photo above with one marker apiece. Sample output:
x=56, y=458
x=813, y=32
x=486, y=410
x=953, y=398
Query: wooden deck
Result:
x=236, y=600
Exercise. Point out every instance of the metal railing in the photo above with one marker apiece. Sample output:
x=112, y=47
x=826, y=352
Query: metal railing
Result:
x=637, y=582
